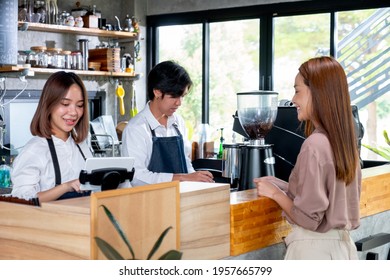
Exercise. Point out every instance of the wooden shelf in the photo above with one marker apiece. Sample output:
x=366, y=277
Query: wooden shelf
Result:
x=86, y=73
x=45, y=71
x=80, y=31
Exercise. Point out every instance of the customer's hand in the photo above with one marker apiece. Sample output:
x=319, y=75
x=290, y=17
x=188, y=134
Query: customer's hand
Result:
x=283, y=185
x=266, y=187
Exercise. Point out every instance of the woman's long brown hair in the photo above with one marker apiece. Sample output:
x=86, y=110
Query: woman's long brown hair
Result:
x=331, y=109
x=54, y=90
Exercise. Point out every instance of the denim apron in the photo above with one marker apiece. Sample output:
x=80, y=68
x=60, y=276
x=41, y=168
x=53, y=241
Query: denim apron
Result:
x=168, y=154
x=58, y=172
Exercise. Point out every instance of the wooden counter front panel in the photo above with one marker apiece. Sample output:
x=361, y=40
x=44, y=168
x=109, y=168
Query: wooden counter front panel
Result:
x=29, y=232
x=375, y=197
x=205, y=221
x=256, y=222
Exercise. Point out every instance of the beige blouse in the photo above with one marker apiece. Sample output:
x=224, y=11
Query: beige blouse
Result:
x=320, y=201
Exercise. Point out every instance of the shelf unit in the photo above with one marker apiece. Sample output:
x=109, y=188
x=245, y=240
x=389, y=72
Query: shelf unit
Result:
x=120, y=35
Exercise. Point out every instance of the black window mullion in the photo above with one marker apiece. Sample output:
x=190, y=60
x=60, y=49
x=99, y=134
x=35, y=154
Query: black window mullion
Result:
x=333, y=35
x=206, y=73
x=266, y=51
x=152, y=48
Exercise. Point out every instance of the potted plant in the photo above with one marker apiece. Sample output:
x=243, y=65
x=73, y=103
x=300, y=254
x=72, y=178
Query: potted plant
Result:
x=113, y=254
x=382, y=151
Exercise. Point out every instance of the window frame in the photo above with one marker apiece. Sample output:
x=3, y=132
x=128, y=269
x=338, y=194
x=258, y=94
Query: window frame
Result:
x=265, y=13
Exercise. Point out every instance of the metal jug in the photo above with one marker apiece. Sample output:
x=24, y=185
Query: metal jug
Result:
x=231, y=163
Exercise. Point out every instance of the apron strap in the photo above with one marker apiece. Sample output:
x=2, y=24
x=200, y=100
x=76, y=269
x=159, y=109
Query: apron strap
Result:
x=81, y=152
x=55, y=161
x=177, y=129
x=54, y=157
x=58, y=172
x=152, y=130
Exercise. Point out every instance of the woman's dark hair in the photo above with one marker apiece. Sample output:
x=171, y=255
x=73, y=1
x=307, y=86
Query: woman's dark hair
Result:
x=54, y=90
x=331, y=109
x=170, y=78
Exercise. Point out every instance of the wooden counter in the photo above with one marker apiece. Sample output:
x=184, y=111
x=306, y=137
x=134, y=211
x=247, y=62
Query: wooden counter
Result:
x=212, y=222
x=257, y=222
x=65, y=229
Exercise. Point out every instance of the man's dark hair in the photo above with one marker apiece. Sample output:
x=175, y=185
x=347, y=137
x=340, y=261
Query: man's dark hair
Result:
x=170, y=78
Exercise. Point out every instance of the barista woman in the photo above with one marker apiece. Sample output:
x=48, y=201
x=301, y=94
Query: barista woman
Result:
x=321, y=199
x=156, y=137
x=49, y=165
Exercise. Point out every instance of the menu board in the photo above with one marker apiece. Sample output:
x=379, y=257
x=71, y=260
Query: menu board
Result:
x=8, y=32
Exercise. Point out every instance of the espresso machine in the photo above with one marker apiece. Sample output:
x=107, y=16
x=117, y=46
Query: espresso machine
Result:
x=257, y=111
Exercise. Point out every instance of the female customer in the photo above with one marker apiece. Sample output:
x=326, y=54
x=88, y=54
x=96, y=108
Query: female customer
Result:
x=321, y=199
x=49, y=165
x=156, y=137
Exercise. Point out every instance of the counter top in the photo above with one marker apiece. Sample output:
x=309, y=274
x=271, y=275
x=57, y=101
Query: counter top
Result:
x=82, y=204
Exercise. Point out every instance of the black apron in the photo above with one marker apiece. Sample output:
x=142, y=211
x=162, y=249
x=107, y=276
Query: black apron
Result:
x=168, y=154
x=58, y=172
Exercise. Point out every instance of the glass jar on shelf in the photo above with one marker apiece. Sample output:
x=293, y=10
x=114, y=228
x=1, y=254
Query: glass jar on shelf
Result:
x=55, y=58
x=77, y=60
x=22, y=57
x=31, y=58
x=38, y=57
x=67, y=59
x=40, y=8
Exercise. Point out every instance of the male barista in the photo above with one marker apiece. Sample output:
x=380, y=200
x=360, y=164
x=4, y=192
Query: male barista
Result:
x=156, y=137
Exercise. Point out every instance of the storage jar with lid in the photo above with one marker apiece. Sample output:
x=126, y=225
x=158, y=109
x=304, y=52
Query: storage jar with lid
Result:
x=77, y=60
x=22, y=57
x=67, y=59
x=55, y=58
x=38, y=57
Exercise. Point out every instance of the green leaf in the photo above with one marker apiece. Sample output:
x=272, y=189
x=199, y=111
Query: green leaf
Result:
x=112, y=254
x=158, y=243
x=377, y=151
x=386, y=137
x=108, y=250
x=172, y=255
x=119, y=230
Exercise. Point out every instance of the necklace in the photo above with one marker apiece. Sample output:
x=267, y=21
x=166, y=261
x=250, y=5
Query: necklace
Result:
x=163, y=116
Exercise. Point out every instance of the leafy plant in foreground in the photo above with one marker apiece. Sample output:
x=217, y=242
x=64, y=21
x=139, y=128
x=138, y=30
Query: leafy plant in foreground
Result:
x=382, y=151
x=113, y=254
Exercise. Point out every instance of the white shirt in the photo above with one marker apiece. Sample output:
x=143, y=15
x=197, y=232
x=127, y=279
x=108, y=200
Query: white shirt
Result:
x=137, y=143
x=33, y=169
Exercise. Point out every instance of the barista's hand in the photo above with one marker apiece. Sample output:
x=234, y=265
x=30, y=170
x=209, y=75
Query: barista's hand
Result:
x=73, y=185
x=56, y=192
x=198, y=176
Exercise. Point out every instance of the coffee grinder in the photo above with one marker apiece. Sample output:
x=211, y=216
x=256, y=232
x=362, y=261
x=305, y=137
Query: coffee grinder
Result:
x=257, y=111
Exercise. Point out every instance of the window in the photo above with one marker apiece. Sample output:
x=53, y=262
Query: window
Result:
x=363, y=48
x=246, y=44
x=234, y=67
x=296, y=39
x=183, y=44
